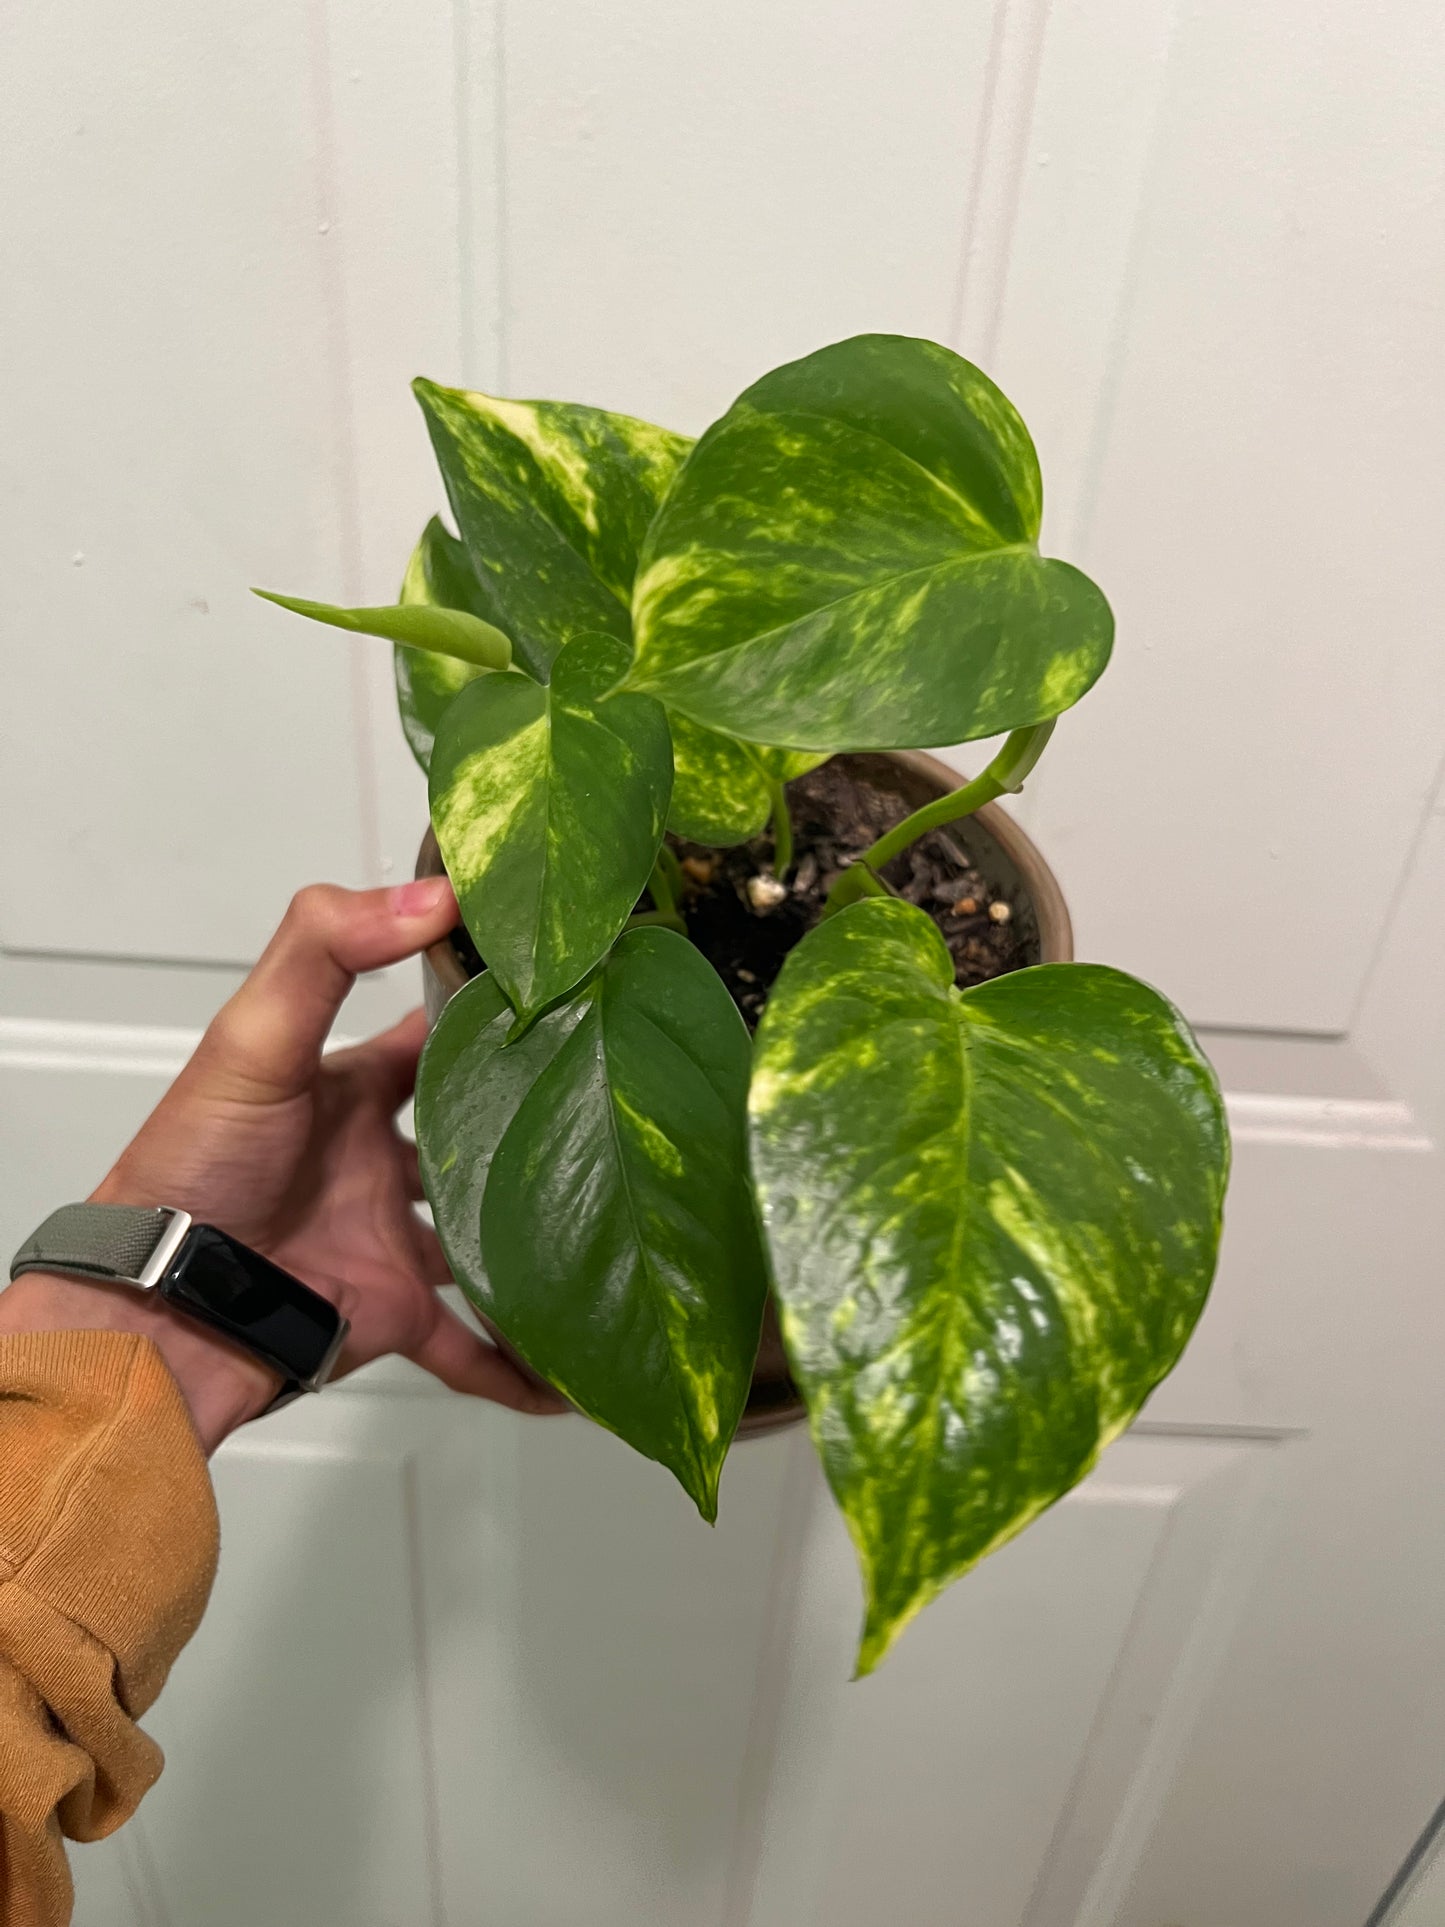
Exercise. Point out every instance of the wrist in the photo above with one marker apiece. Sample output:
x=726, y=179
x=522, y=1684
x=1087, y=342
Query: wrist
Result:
x=222, y=1385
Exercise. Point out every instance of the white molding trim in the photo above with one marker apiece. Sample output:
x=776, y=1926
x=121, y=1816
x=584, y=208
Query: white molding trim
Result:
x=1326, y=1123
x=107, y=1050
x=1016, y=53
x=157, y=1050
x=124, y=1050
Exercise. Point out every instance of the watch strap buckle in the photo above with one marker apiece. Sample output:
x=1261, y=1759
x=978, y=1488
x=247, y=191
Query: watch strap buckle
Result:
x=177, y=1229
x=117, y=1244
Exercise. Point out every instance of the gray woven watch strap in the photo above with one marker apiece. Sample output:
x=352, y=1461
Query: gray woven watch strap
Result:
x=97, y=1240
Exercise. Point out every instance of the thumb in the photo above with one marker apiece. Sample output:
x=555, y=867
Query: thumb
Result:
x=263, y=1046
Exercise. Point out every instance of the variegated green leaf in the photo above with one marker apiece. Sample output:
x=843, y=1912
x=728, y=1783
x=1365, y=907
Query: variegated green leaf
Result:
x=548, y=803
x=993, y=1217
x=848, y=560
x=448, y=632
x=438, y=573
x=616, y=1226
x=720, y=792
x=552, y=501
x=787, y=763
x=468, y=1088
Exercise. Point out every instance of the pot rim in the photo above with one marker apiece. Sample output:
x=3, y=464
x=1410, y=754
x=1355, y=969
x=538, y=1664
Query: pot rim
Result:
x=1056, y=932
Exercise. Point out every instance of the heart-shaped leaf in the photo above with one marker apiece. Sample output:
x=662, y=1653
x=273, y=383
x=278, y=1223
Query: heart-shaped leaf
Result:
x=993, y=1217
x=440, y=574
x=617, y=1228
x=468, y=1088
x=847, y=560
x=548, y=803
x=448, y=632
x=552, y=501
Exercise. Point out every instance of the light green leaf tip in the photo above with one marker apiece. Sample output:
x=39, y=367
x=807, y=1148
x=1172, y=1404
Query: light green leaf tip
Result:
x=446, y=632
x=439, y=574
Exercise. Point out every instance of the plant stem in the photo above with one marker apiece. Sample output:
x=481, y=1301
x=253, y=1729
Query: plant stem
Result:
x=668, y=919
x=1004, y=775
x=664, y=886
x=671, y=870
x=782, y=827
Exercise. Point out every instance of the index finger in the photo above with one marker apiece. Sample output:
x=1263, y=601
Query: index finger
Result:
x=265, y=1043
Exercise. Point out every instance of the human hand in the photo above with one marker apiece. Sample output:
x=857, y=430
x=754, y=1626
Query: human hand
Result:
x=298, y=1155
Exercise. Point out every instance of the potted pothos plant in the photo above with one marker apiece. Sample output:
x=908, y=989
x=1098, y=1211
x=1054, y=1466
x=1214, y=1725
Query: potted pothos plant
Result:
x=985, y=1198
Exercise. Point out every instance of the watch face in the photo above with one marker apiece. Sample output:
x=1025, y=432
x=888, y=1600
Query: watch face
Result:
x=253, y=1301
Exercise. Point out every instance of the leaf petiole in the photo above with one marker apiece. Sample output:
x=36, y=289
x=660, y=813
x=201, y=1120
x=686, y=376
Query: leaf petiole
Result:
x=664, y=886
x=668, y=919
x=1004, y=776
x=782, y=826
x=852, y=885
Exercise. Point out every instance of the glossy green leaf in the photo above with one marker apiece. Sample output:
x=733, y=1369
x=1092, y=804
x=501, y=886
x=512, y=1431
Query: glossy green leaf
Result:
x=847, y=560
x=448, y=632
x=472, y=1077
x=552, y=501
x=438, y=573
x=788, y=763
x=993, y=1218
x=720, y=792
x=548, y=803
x=617, y=1228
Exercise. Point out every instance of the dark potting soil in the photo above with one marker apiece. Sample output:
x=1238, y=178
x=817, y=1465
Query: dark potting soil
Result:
x=837, y=813
x=836, y=816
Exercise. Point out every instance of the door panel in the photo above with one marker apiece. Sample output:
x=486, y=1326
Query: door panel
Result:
x=1023, y=1723
x=1258, y=486
x=1315, y=1761
x=465, y=1668
x=169, y=437
x=324, y=1594
x=455, y=1669
x=718, y=189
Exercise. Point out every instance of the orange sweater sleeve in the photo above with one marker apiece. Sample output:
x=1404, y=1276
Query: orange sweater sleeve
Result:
x=108, y=1543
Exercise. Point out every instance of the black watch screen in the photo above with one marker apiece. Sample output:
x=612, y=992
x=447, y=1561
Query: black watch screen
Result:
x=246, y=1297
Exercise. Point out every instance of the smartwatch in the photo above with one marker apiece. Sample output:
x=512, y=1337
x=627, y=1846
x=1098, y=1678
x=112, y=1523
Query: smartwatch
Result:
x=202, y=1272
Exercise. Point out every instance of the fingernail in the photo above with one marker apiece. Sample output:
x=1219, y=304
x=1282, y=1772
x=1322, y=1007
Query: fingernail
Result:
x=419, y=899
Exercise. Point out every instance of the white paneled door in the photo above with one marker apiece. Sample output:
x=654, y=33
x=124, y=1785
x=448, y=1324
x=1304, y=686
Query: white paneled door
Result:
x=472, y=1671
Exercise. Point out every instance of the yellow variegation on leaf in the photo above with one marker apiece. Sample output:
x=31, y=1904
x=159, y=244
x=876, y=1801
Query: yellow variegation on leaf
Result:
x=552, y=501
x=722, y=789
x=848, y=560
x=993, y=1216
x=548, y=803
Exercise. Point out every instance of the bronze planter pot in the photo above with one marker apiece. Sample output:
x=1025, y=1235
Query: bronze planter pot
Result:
x=996, y=846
